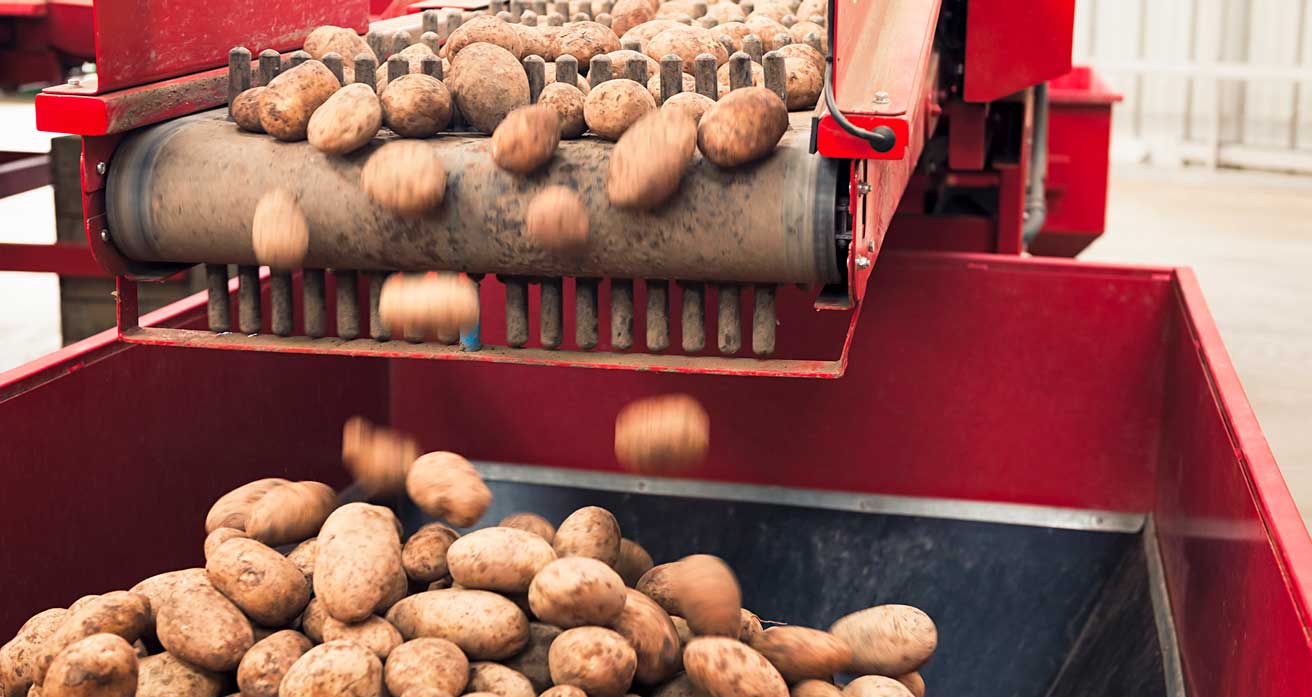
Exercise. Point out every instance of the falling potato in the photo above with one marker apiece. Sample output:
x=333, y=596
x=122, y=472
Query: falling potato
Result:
x=663, y=434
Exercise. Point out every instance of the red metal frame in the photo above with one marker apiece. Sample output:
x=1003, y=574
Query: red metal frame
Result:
x=1013, y=45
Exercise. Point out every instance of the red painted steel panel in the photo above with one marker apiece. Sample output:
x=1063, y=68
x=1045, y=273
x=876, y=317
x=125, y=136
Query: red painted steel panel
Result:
x=972, y=377
x=1013, y=45
x=63, y=259
x=1237, y=556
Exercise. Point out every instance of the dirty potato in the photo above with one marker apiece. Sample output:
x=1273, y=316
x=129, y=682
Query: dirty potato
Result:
x=645, y=31
x=750, y=627
x=568, y=104
x=658, y=584
x=583, y=40
x=377, y=456
x=498, y=559
x=485, y=626
x=580, y=82
x=341, y=668
x=218, y=537
x=725, y=11
x=375, y=634
x=589, y=532
x=498, y=679
x=615, y=105
x=647, y=165
x=424, y=555
x=875, y=686
x=290, y=512
x=291, y=98
x=913, y=682
x=565, y=690
x=666, y=433
x=742, y=127
x=815, y=688
x=159, y=587
x=232, y=509
x=488, y=83
x=163, y=675
x=650, y=631
x=804, y=51
x=887, y=639
x=687, y=43
x=312, y=620
x=526, y=139
x=416, y=106
x=634, y=561
x=724, y=85
x=245, y=110
x=728, y=668
x=532, y=661
x=433, y=303
x=414, y=55
x=359, y=560
x=122, y=613
x=530, y=522
x=689, y=86
x=692, y=104
x=535, y=42
x=99, y=665
x=620, y=60
x=557, y=220
x=680, y=686
x=18, y=656
x=801, y=653
x=627, y=14
x=406, y=178
x=484, y=29
x=349, y=119
x=575, y=591
x=280, y=236
x=340, y=40
x=596, y=660
x=444, y=485
x=805, y=80
x=708, y=596
x=800, y=30
x=204, y=628
x=262, y=668
x=426, y=662
x=259, y=580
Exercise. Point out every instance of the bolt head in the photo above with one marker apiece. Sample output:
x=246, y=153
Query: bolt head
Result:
x=104, y=235
x=862, y=263
x=882, y=98
x=101, y=168
x=863, y=188
x=74, y=82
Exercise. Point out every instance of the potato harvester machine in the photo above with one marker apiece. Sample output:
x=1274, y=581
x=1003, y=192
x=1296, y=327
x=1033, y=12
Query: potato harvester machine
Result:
x=1054, y=459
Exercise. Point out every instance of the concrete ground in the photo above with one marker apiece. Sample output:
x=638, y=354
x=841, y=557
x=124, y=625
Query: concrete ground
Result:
x=1246, y=235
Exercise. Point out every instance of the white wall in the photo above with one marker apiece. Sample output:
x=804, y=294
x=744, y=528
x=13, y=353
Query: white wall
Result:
x=1216, y=82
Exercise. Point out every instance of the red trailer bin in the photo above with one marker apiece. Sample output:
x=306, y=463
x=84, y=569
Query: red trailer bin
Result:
x=1054, y=459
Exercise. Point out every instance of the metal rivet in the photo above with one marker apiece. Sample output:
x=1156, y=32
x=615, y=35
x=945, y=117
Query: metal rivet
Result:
x=101, y=168
x=862, y=263
x=863, y=188
x=882, y=98
x=104, y=235
x=74, y=82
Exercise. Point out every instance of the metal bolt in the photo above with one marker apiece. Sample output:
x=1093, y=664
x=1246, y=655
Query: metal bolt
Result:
x=101, y=168
x=882, y=98
x=74, y=82
x=104, y=235
x=862, y=263
x=863, y=188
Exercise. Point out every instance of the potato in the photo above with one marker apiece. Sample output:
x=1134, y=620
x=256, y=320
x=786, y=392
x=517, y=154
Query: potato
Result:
x=375, y=634
x=708, y=596
x=692, y=104
x=400, y=588
x=764, y=27
x=557, y=220
x=568, y=104
x=532, y=661
x=749, y=628
x=722, y=82
x=18, y=656
x=742, y=127
x=611, y=107
x=804, y=51
x=812, y=8
x=406, y=178
x=245, y=110
x=913, y=682
x=486, y=626
x=687, y=43
x=303, y=557
x=530, y=522
x=594, y=659
x=232, y=509
x=342, y=668
x=498, y=559
x=566, y=690
x=484, y=29
x=805, y=81
x=654, y=86
x=619, y=62
x=266, y=663
x=634, y=561
x=875, y=686
x=645, y=31
x=736, y=31
x=646, y=167
x=414, y=55
x=580, y=82
x=800, y=30
x=279, y=233
x=424, y=555
x=488, y=82
x=203, y=628
x=159, y=587
x=526, y=139
x=680, y=686
x=535, y=42
x=728, y=668
x=99, y=665
x=589, y=532
x=666, y=433
x=377, y=456
x=259, y=580
x=218, y=537
x=815, y=688
x=340, y=40
x=583, y=40
x=292, y=96
x=627, y=14
x=444, y=485
x=359, y=560
x=426, y=662
x=349, y=119
x=887, y=639
x=498, y=679
x=163, y=675
x=725, y=11
x=681, y=626
x=313, y=618
x=441, y=303
x=650, y=631
x=291, y=512
x=416, y=106
x=658, y=584
x=801, y=653
x=123, y=613
x=575, y=591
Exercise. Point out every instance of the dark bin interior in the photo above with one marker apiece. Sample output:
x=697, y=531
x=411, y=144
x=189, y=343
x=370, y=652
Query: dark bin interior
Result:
x=1021, y=610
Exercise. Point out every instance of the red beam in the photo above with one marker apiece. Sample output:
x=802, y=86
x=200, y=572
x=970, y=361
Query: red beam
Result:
x=63, y=259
